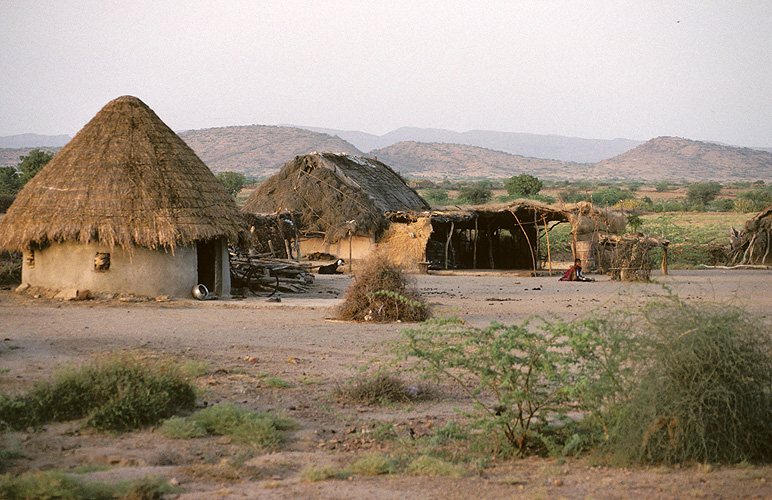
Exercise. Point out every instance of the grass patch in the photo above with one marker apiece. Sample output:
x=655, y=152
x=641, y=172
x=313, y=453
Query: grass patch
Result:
x=381, y=388
x=195, y=369
x=313, y=473
x=278, y=383
x=374, y=465
x=426, y=465
x=55, y=484
x=243, y=426
x=116, y=393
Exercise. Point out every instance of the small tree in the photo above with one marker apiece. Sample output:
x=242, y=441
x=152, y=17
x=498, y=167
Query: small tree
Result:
x=523, y=185
x=33, y=163
x=10, y=181
x=477, y=193
x=436, y=196
x=702, y=192
x=232, y=181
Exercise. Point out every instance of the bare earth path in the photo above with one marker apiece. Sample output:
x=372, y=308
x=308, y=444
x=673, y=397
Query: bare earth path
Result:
x=243, y=341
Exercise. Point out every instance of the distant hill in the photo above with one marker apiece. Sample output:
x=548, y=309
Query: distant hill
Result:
x=676, y=158
x=259, y=150
x=553, y=147
x=454, y=161
x=33, y=141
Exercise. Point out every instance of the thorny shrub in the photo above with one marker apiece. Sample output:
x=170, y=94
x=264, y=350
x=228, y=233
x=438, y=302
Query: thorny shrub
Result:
x=706, y=391
x=669, y=382
x=381, y=292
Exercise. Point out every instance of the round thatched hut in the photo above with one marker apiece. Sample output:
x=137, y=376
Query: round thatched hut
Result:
x=126, y=206
x=341, y=201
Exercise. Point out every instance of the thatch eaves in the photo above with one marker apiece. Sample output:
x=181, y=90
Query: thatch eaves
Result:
x=336, y=194
x=126, y=179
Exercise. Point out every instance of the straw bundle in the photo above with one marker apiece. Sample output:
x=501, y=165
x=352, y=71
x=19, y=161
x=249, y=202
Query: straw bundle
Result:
x=126, y=179
x=756, y=245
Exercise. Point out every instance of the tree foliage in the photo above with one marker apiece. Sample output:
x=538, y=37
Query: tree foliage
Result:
x=33, y=163
x=523, y=185
x=477, y=193
x=702, y=192
x=232, y=181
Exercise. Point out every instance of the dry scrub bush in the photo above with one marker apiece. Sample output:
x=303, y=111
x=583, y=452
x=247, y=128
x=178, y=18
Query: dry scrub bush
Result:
x=381, y=292
x=706, y=392
x=381, y=388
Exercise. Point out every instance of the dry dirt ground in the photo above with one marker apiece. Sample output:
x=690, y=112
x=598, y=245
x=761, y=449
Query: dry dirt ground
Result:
x=243, y=341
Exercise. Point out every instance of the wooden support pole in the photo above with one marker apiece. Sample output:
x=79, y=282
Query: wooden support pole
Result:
x=527, y=239
x=664, y=261
x=490, y=245
x=538, y=242
x=549, y=255
x=476, y=240
x=447, y=242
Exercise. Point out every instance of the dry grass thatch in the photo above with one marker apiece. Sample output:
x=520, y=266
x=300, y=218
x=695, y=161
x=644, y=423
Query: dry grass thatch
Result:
x=126, y=179
x=588, y=220
x=381, y=292
x=628, y=256
x=756, y=244
x=405, y=244
x=336, y=195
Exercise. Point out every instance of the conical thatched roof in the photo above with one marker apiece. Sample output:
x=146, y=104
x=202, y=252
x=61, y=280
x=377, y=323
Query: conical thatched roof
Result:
x=125, y=179
x=330, y=190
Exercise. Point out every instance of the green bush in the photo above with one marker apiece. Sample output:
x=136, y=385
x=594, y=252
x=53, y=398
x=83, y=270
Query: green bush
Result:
x=240, y=424
x=116, y=393
x=525, y=378
x=523, y=185
x=706, y=392
x=56, y=485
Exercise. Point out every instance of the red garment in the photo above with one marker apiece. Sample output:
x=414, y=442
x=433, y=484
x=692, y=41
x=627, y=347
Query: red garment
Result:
x=572, y=274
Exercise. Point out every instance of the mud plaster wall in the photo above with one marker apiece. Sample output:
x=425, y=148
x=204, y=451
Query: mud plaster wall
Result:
x=140, y=271
x=405, y=244
x=361, y=247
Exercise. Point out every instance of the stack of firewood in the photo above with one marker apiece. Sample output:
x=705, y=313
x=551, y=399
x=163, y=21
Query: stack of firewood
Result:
x=260, y=273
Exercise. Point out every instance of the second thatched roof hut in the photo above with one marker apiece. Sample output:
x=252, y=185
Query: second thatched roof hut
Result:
x=126, y=206
x=341, y=200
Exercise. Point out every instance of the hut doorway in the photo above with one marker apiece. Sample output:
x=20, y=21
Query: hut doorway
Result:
x=207, y=263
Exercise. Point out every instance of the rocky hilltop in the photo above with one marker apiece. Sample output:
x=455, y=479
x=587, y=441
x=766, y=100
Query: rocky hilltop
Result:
x=259, y=150
x=677, y=158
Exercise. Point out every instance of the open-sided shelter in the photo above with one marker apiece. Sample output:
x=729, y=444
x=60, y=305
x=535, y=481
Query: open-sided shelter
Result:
x=510, y=236
x=341, y=200
x=127, y=207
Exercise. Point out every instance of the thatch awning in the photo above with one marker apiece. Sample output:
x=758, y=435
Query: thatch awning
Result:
x=126, y=179
x=336, y=194
x=524, y=210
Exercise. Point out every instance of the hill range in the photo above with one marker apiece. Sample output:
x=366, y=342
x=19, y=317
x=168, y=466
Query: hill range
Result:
x=260, y=150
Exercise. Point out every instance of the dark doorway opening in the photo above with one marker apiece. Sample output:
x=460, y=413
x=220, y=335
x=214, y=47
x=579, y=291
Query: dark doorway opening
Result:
x=207, y=263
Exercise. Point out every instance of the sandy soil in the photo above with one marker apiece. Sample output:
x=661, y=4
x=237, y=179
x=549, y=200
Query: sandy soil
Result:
x=244, y=340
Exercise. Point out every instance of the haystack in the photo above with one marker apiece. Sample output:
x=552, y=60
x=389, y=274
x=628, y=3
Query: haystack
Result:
x=755, y=245
x=341, y=200
x=126, y=206
x=588, y=223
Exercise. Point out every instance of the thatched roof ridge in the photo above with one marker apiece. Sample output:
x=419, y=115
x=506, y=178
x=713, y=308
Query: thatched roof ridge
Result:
x=550, y=213
x=336, y=194
x=126, y=179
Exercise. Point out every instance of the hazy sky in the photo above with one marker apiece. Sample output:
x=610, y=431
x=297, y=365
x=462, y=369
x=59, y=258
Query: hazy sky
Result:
x=596, y=69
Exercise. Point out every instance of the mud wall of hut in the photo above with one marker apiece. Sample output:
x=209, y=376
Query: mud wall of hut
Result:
x=99, y=268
